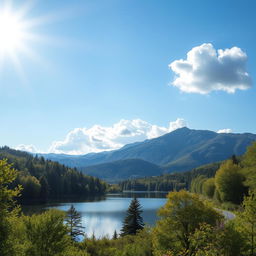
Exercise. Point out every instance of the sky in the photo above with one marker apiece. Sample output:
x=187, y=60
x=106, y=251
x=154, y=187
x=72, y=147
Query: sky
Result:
x=94, y=75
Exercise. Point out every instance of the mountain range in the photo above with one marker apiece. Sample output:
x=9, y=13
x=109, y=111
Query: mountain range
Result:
x=180, y=150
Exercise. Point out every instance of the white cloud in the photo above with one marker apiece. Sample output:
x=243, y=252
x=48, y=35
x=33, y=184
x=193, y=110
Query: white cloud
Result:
x=179, y=123
x=225, y=131
x=27, y=148
x=207, y=69
x=99, y=138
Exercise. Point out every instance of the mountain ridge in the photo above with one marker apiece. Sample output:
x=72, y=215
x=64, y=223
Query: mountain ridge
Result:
x=180, y=150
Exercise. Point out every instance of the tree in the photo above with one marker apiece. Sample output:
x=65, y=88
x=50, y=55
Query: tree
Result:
x=216, y=241
x=133, y=221
x=180, y=217
x=247, y=222
x=115, y=235
x=249, y=166
x=46, y=233
x=209, y=187
x=229, y=182
x=74, y=223
x=45, y=190
x=7, y=205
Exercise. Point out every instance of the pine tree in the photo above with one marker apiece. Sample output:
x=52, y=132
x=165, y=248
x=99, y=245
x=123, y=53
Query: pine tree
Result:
x=45, y=190
x=133, y=220
x=74, y=223
x=115, y=235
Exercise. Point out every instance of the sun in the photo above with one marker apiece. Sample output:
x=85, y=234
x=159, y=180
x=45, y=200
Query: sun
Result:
x=18, y=33
x=11, y=32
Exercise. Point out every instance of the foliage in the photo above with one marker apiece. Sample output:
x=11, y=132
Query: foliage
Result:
x=246, y=223
x=74, y=223
x=209, y=187
x=180, y=217
x=43, y=179
x=133, y=220
x=129, y=245
x=249, y=166
x=7, y=206
x=170, y=182
x=229, y=182
x=221, y=240
x=46, y=233
x=197, y=184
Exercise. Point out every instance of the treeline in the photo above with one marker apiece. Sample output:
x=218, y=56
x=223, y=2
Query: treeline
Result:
x=43, y=179
x=232, y=181
x=169, y=182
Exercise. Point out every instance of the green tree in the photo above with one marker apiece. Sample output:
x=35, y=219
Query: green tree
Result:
x=229, y=182
x=74, y=223
x=216, y=241
x=115, y=235
x=209, y=187
x=197, y=184
x=46, y=233
x=246, y=222
x=31, y=187
x=249, y=166
x=7, y=206
x=133, y=221
x=179, y=218
x=45, y=190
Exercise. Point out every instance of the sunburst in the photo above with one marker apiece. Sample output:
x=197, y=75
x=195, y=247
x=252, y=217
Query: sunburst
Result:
x=18, y=33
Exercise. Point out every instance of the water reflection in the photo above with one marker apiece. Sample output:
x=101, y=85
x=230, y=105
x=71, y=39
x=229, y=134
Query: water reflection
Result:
x=103, y=217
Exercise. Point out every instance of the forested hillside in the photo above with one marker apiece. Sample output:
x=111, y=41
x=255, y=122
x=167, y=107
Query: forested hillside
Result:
x=43, y=179
x=123, y=169
x=232, y=181
x=169, y=182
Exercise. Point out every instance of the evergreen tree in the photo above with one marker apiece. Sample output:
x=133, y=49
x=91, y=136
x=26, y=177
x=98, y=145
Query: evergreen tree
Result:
x=133, y=220
x=115, y=235
x=45, y=190
x=74, y=223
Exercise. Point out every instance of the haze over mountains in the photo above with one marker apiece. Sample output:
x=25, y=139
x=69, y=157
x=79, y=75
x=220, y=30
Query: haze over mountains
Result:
x=180, y=150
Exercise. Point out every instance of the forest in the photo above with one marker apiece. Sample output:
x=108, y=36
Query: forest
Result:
x=169, y=182
x=44, y=180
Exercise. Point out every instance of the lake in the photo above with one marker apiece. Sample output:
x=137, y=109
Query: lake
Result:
x=102, y=217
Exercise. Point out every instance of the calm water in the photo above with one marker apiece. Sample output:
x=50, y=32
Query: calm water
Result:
x=103, y=217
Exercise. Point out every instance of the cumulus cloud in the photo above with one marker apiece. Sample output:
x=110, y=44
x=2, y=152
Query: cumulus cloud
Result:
x=27, y=148
x=225, y=131
x=206, y=69
x=100, y=138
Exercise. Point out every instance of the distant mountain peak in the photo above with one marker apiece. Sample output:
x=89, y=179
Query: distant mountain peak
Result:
x=179, y=150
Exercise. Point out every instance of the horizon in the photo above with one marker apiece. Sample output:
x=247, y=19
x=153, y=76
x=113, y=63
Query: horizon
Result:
x=93, y=76
x=20, y=148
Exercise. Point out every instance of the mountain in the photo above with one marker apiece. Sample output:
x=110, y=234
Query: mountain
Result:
x=123, y=169
x=180, y=150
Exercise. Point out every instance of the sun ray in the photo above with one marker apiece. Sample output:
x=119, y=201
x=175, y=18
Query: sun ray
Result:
x=19, y=33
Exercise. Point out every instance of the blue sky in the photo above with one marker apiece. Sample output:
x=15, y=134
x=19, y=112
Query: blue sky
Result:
x=105, y=61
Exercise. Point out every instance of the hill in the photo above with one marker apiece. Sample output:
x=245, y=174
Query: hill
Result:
x=180, y=150
x=123, y=169
x=170, y=182
x=44, y=179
